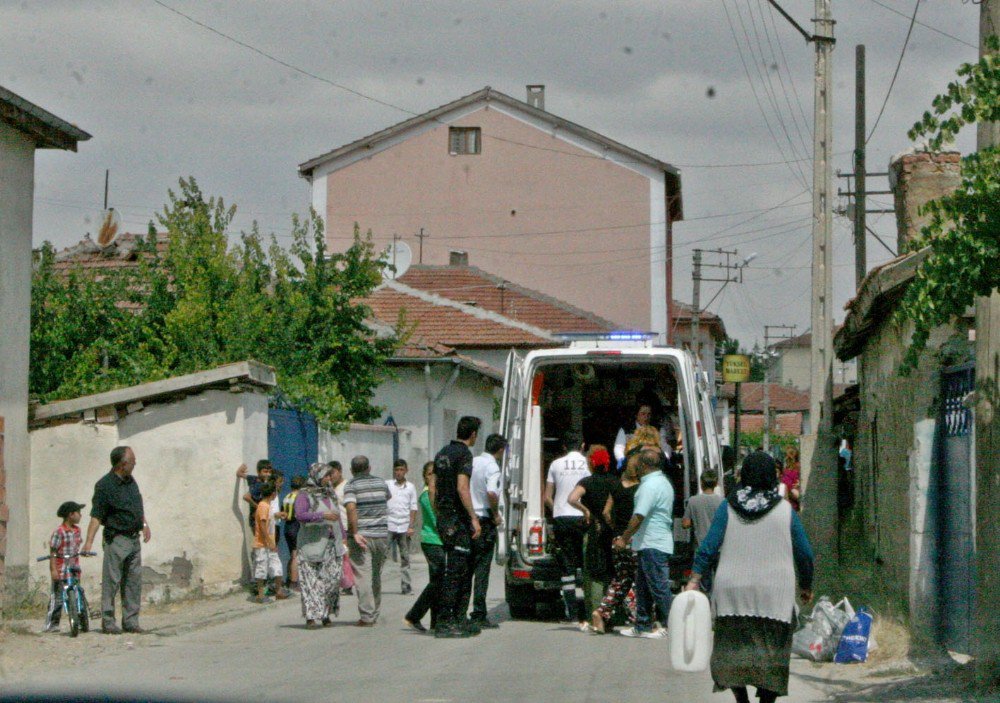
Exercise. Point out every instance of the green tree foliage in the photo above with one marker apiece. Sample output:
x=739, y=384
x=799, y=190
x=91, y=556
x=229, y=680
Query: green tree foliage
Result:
x=201, y=303
x=964, y=229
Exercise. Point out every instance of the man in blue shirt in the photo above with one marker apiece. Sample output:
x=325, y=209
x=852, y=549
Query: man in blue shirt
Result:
x=651, y=533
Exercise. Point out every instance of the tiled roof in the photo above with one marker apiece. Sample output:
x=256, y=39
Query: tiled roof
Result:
x=120, y=254
x=471, y=285
x=439, y=321
x=785, y=423
x=781, y=398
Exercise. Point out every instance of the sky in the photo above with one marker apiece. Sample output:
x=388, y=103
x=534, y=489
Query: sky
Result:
x=723, y=89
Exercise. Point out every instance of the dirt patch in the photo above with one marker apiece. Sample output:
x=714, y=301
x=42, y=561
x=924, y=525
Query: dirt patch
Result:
x=24, y=649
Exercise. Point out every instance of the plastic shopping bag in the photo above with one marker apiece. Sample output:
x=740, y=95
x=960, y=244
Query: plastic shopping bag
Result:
x=819, y=636
x=854, y=641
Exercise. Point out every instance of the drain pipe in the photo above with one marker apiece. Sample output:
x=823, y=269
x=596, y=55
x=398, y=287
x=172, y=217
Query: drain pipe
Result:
x=432, y=400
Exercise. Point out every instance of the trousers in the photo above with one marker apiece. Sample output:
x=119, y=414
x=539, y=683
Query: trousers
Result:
x=480, y=559
x=400, y=542
x=428, y=598
x=367, y=565
x=121, y=573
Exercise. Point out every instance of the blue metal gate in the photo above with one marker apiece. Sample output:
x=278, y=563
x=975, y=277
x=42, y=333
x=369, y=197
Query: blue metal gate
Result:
x=292, y=445
x=956, y=543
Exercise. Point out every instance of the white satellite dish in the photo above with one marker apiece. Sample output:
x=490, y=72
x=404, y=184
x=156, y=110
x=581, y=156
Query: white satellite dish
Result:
x=111, y=223
x=399, y=257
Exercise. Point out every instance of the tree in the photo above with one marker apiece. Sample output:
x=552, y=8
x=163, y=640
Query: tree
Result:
x=963, y=230
x=202, y=303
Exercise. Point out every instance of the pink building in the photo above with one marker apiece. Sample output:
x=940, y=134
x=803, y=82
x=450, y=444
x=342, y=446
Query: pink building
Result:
x=535, y=199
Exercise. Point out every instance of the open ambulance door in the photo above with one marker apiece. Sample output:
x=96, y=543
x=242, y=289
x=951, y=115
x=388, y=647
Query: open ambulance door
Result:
x=512, y=426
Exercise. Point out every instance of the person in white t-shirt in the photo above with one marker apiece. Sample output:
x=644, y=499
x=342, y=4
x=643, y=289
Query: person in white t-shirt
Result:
x=568, y=523
x=402, y=519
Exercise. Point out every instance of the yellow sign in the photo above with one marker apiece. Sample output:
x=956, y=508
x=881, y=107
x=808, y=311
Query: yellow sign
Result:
x=735, y=368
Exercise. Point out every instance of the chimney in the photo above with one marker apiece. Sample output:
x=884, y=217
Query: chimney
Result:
x=458, y=258
x=915, y=179
x=536, y=96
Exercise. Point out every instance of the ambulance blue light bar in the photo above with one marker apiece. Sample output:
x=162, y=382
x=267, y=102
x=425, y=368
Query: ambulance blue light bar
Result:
x=614, y=336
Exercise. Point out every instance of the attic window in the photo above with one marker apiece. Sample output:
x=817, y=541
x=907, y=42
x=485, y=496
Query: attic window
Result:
x=464, y=140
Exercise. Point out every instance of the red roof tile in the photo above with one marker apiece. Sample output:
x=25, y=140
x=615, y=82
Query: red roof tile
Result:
x=447, y=324
x=120, y=254
x=471, y=285
x=782, y=398
x=785, y=423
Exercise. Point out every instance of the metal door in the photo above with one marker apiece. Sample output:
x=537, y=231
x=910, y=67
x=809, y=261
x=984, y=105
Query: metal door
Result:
x=955, y=480
x=292, y=445
x=512, y=426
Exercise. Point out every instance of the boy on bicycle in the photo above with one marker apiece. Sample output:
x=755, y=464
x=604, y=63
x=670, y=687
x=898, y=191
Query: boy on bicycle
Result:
x=64, y=547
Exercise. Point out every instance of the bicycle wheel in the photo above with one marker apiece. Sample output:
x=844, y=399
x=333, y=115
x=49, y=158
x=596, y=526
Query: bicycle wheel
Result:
x=73, y=612
x=84, y=612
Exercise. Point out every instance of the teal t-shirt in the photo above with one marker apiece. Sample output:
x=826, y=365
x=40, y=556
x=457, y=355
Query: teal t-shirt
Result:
x=428, y=533
x=654, y=500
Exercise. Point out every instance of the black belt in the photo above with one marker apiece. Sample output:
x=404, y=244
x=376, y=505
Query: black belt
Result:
x=113, y=534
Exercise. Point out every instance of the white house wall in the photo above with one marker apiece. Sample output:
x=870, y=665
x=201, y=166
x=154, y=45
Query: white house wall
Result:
x=186, y=458
x=17, y=164
x=374, y=442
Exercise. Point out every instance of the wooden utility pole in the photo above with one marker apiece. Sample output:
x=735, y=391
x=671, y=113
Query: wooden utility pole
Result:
x=696, y=302
x=421, y=236
x=987, y=639
x=860, y=202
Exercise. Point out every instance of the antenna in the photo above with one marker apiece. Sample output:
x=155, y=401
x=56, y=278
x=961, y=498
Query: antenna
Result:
x=111, y=223
x=399, y=257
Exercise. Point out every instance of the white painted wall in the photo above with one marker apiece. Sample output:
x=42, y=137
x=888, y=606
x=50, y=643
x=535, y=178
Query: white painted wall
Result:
x=405, y=399
x=373, y=441
x=17, y=168
x=186, y=458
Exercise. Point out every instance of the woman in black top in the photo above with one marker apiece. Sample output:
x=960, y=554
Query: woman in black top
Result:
x=617, y=513
x=589, y=496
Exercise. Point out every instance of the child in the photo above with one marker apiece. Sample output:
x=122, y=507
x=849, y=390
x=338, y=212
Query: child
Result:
x=264, y=472
x=64, y=546
x=292, y=531
x=699, y=513
x=266, y=562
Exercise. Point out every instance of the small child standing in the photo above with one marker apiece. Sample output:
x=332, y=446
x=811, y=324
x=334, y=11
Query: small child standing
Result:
x=266, y=562
x=64, y=547
x=699, y=513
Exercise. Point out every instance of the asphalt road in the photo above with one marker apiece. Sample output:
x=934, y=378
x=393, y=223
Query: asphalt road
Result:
x=270, y=656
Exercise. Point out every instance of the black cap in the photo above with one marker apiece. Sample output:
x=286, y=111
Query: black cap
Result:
x=68, y=507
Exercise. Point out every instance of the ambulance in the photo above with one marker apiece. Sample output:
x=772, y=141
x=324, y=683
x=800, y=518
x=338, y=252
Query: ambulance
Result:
x=590, y=388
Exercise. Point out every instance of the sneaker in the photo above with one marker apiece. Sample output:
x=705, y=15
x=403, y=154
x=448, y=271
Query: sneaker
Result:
x=415, y=624
x=631, y=632
x=451, y=632
x=364, y=623
x=659, y=633
x=585, y=627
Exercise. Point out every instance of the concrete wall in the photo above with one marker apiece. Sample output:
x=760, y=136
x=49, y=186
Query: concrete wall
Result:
x=477, y=202
x=17, y=168
x=373, y=441
x=405, y=399
x=916, y=179
x=186, y=455
x=894, y=460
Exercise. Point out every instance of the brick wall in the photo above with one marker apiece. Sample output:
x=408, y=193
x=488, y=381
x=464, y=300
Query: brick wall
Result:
x=916, y=179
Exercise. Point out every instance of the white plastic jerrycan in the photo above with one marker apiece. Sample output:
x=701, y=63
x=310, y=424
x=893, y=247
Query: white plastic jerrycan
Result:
x=690, y=628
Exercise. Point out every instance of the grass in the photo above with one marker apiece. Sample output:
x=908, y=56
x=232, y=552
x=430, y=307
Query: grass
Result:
x=24, y=599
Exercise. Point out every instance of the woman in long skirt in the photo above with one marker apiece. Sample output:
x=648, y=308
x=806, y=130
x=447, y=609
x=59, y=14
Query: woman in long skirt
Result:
x=762, y=550
x=321, y=547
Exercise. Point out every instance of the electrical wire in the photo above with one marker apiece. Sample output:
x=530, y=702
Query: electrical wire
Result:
x=925, y=25
x=902, y=53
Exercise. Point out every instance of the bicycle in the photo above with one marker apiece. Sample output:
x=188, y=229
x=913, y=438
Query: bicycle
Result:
x=74, y=601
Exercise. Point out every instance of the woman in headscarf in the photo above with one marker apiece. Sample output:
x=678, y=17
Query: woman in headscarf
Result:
x=762, y=550
x=321, y=547
x=589, y=497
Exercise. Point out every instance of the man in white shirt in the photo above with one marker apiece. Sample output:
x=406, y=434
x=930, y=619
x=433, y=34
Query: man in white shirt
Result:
x=568, y=525
x=485, y=489
x=402, y=519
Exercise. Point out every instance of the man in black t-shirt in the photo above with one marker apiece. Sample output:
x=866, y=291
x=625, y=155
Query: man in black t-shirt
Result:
x=457, y=525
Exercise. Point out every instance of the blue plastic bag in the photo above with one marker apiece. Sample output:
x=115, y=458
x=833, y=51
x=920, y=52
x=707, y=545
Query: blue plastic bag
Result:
x=854, y=641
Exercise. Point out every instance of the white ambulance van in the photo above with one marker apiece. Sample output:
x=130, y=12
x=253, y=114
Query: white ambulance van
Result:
x=590, y=388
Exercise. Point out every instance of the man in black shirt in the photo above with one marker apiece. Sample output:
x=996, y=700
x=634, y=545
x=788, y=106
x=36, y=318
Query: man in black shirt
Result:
x=117, y=506
x=457, y=525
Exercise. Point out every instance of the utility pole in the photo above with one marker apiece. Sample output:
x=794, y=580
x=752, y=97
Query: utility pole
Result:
x=107, y=178
x=395, y=241
x=860, y=202
x=421, y=237
x=786, y=332
x=733, y=274
x=987, y=639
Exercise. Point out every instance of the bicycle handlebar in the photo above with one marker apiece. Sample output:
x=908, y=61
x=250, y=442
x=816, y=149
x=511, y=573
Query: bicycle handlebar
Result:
x=66, y=556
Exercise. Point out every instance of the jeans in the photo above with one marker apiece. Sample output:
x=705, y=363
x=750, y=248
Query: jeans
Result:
x=122, y=573
x=480, y=560
x=652, y=587
x=428, y=598
x=400, y=542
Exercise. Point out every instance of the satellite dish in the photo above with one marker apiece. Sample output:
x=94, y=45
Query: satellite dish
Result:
x=399, y=257
x=111, y=223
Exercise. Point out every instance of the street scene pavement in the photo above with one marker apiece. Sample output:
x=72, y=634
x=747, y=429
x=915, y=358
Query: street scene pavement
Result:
x=267, y=655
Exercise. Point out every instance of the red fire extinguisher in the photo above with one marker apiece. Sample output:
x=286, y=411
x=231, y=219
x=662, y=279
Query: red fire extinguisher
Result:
x=535, y=538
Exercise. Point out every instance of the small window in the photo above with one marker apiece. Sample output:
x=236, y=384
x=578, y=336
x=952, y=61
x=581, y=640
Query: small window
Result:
x=464, y=140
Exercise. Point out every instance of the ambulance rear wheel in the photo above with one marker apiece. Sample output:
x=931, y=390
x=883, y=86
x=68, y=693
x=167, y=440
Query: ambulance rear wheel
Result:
x=520, y=601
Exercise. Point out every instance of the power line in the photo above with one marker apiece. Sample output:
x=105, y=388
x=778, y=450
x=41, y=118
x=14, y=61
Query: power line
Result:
x=925, y=25
x=913, y=19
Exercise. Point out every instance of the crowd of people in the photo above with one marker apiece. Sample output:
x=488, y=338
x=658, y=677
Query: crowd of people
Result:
x=613, y=531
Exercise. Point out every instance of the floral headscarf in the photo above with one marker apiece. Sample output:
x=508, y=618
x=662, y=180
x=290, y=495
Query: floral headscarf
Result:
x=757, y=492
x=314, y=484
